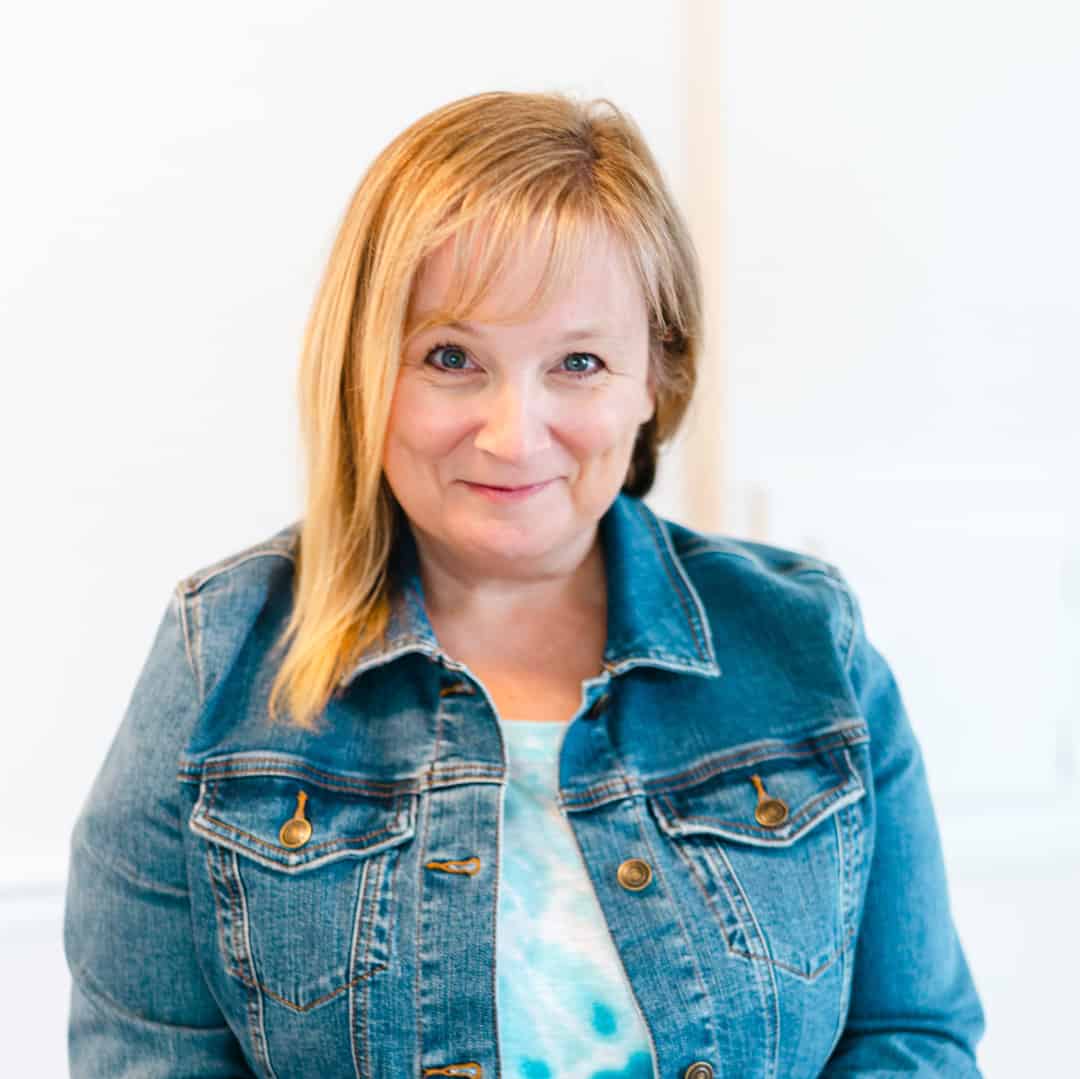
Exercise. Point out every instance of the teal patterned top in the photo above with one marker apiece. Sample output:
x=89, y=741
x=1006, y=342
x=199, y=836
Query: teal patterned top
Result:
x=564, y=1002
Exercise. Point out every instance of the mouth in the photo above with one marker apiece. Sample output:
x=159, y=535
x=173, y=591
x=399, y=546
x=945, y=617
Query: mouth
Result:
x=506, y=493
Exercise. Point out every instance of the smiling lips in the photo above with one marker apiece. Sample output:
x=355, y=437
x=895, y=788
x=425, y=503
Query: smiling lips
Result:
x=506, y=494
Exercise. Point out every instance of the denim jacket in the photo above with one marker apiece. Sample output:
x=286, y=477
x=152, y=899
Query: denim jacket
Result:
x=741, y=778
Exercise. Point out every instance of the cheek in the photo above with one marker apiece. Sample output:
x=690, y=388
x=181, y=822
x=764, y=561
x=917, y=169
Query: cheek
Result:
x=602, y=429
x=423, y=427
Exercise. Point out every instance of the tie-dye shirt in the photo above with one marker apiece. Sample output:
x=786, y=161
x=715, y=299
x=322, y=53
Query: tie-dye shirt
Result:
x=565, y=1007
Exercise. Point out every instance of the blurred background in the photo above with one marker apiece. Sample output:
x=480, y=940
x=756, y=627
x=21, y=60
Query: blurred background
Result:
x=884, y=198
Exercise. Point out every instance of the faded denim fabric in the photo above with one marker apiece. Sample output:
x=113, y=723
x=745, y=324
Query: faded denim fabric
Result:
x=200, y=944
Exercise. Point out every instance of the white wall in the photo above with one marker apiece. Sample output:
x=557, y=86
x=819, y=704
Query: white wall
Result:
x=900, y=314
x=886, y=196
x=902, y=339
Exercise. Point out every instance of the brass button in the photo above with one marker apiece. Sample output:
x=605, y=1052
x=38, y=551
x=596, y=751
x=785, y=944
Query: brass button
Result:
x=770, y=812
x=634, y=874
x=296, y=831
x=700, y=1069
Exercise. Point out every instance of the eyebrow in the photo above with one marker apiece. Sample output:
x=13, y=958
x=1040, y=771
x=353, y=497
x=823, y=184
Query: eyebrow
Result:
x=577, y=333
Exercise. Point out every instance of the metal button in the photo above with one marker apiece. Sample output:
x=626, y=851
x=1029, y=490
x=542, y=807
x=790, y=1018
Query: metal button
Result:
x=296, y=831
x=634, y=874
x=700, y=1069
x=770, y=812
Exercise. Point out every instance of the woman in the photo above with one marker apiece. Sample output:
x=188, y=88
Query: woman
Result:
x=486, y=769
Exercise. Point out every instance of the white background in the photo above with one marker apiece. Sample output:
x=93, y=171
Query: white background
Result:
x=884, y=198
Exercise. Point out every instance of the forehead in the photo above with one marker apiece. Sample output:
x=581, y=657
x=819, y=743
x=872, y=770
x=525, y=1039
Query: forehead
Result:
x=599, y=285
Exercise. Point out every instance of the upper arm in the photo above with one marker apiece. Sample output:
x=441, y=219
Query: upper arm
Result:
x=913, y=1000
x=139, y=1002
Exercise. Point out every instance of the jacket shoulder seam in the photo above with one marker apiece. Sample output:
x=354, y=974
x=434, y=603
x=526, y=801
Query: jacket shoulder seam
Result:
x=808, y=564
x=279, y=548
x=838, y=583
x=189, y=630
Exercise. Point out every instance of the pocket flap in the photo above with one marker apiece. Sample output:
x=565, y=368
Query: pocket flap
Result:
x=813, y=778
x=244, y=807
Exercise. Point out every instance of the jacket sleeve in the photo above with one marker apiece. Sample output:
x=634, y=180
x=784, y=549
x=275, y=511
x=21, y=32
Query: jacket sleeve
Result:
x=914, y=1007
x=139, y=1003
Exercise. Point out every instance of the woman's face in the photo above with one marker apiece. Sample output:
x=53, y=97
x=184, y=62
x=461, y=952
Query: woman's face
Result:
x=507, y=443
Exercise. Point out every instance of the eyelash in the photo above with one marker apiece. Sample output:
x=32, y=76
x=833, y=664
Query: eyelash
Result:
x=455, y=371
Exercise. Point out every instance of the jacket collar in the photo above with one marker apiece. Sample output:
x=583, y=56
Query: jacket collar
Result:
x=655, y=615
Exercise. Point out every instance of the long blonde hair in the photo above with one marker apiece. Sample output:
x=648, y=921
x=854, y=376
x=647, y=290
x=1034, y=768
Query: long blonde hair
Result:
x=487, y=170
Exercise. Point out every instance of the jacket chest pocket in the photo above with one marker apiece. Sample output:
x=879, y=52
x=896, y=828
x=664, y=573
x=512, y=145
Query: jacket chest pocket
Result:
x=774, y=840
x=301, y=870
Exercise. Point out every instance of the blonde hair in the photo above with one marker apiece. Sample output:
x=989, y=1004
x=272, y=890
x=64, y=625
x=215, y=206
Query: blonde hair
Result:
x=487, y=170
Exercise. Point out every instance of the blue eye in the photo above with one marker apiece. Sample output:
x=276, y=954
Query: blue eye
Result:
x=455, y=359
x=576, y=357
x=454, y=353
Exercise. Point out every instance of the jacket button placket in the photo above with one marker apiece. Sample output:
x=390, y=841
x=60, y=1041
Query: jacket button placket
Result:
x=457, y=895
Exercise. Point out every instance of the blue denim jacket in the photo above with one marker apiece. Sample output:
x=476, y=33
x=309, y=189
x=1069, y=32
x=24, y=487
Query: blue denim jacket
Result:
x=744, y=752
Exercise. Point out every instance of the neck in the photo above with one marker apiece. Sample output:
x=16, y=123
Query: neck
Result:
x=452, y=588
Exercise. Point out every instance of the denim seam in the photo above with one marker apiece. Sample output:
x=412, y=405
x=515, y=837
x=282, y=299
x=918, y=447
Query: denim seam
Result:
x=623, y=786
x=695, y=874
x=224, y=768
x=709, y=1019
x=727, y=879
x=716, y=845
x=354, y=1032
x=809, y=564
x=219, y=914
x=742, y=758
x=422, y=827
x=236, y=950
x=337, y=991
x=254, y=1000
x=241, y=925
x=849, y=823
x=847, y=638
x=194, y=582
x=393, y=860
x=236, y=957
x=233, y=953
x=192, y=641
x=839, y=1026
x=370, y=894
x=776, y=1015
x=764, y=833
x=859, y=837
x=336, y=842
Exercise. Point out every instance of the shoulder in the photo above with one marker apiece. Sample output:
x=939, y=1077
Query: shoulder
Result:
x=750, y=557
x=763, y=580
x=220, y=602
x=247, y=567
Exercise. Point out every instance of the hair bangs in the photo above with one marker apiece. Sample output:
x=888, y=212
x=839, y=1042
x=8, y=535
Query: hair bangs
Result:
x=556, y=224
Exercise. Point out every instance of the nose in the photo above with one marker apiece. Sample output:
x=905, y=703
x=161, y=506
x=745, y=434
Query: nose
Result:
x=514, y=426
